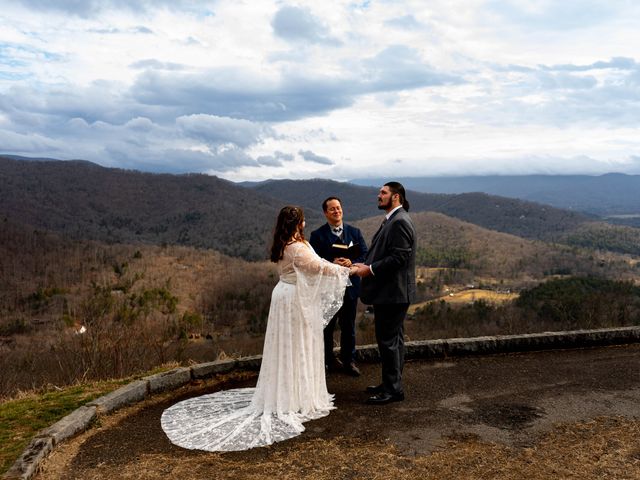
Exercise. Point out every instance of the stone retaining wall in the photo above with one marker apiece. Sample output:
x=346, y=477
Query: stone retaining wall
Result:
x=79, y=420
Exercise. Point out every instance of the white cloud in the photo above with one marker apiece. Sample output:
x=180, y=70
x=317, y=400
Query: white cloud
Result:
x=29, y=144
x=92, y=8
x=298, y=24
x=219, y=130
x=404, y=22
x=252, y=91
x=309, y=156
x=275, y=160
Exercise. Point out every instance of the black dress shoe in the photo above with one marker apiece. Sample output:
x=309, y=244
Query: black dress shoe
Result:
x=352, y=369
x=383, y=398
x=334, y=365
x=375, y=388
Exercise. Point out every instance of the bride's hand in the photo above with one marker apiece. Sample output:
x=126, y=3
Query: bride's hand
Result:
x=344, y=262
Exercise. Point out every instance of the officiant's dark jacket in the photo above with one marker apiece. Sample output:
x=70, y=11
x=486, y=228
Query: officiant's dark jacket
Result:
x=321, y=241
x=392, y=256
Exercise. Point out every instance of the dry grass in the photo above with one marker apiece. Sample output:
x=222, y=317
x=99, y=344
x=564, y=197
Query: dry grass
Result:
x=602, y=448
x=469, y=296
x=474, y=294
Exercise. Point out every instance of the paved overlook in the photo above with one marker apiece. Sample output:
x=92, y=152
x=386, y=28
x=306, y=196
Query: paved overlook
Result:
x=552, y=414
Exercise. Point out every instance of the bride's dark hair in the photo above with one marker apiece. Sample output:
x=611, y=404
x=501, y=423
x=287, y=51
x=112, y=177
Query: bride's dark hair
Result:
x=288, y=224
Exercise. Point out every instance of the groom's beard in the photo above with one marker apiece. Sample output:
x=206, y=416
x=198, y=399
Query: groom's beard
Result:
x=384, y=206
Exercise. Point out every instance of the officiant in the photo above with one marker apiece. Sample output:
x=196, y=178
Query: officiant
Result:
x=343, y=244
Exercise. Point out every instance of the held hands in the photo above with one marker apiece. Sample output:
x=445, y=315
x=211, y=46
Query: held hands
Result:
x=360, y=269
x=343, y=262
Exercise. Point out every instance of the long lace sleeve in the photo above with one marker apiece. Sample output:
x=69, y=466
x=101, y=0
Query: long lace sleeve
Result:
x=320, y=284
x=306, y=260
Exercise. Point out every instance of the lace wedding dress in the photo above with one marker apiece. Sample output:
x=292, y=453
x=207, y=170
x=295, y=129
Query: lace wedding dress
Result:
x=291, y=387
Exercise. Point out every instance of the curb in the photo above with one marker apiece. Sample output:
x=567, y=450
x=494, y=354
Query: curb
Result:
x=26, y=466
x=80, y=419
x=457, y=347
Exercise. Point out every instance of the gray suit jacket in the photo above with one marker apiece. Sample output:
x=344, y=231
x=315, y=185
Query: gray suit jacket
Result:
x=392, y=256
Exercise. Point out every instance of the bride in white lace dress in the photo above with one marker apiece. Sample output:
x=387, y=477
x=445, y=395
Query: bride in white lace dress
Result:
x=291, y=387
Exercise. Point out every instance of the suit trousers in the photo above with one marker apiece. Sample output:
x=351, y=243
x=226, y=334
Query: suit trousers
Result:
x=389, y=322
x=346, y=318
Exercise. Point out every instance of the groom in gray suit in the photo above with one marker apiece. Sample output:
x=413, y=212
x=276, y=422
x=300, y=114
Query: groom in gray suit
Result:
x=389, y=284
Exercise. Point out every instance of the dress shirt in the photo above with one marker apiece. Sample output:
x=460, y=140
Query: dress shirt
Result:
x=340, y=229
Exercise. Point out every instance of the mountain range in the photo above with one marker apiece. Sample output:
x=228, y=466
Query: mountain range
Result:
x=82, y=200
x=613, y=194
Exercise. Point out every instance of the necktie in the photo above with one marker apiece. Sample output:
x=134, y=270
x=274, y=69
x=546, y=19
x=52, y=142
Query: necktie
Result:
x=375, y=235
x=337, y=230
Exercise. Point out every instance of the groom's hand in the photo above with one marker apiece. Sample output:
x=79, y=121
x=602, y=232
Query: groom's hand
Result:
x=362, y=270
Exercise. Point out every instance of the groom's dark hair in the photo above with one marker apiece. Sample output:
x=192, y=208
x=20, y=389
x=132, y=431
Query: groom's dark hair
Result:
x=396, y=187
x=327, y=200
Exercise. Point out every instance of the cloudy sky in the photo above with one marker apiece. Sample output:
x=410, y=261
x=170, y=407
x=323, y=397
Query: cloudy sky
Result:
x=332, y=89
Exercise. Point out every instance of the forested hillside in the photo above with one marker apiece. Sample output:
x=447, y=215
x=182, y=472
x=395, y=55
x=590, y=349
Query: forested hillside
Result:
x=603, y=236
x=136, y=306
x=82, y=200
x=85, y=201
x=450, y=243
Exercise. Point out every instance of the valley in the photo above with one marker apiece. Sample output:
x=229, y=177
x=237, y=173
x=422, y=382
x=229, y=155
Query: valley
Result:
x=105, y=273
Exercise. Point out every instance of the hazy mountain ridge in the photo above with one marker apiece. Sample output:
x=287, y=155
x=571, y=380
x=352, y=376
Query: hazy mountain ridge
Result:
x=609, y=194
x=517, y=217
